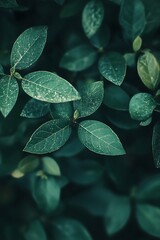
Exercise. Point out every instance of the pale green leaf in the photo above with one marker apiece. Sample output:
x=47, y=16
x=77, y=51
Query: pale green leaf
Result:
x=148, y=217
x=149, y=70
x=79, y=58
x=132, y=18
x=99, y=138
x=46, y=193
x=61, y=110
x=8, y=94
x=49, y=137
x=112, y=66
x=28, y=47
x=141, y=106
x=92, y=17
x=156, y=144
x=35, y=109
x=50, y=166
x=117, y=214
x=49, y=87
x=91, y=98
x=69, y=229
x=35, y=231
x=137, y=43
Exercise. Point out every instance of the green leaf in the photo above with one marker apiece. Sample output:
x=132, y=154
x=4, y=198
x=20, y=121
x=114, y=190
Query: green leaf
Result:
x=101, y=38
x=49, y=87
x=156, y=144
x=132, y=18
x=112, y=66
x=46, y=193
x=116, y=98
x=28, y=47
x=99, y=138
x=137, y=43
x=117, y=214
x=49, y=137
x=72, y=8
x=1, y=70
x=26, y=165
x=50, y=166
x=8, y=94
x=91, y=98
x=69, y=229
x=79, y=58
x=148, y=217
x=35, y=232
x=8, y=4
x=35, y=109
x=61, y=110
x=141, y=106
x=148, y=70
x=92, y=17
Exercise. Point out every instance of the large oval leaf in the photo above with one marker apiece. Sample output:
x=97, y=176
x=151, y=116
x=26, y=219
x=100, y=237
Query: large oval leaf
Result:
x=99, y=138
x=79, y=58
x=112, y=66
x=49, y=87
x=92, y=17
x=49, y=137
x=149, y=70
x=28, y=47
x=8, y=94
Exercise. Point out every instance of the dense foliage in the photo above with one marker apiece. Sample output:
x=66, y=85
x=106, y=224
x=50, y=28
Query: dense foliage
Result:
x=79, y=124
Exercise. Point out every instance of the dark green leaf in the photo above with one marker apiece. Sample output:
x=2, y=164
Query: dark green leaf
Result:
x=141, y=106
x=69, y=229
x=79, y=58
x=1, y=70
x=99, y=138
x=61, y=110
x=101, y=38
x=112, y=66
x=156, y=144
x=8, y=4
x=148, y=217
x=116, y=98
x=49, y=137
x=49, y=87
x=35, y=109
x=117, y=214
x=72, y=8
x=35, y=232
x=50, y=166
x=8, y=94
x=60, y=2
x=28, y=47
x=149, y=70
x=46, y=193
x=132, y=18
x=92, y=17
x=91, y=98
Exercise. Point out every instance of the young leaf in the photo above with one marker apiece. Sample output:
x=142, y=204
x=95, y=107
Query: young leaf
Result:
x=132, y=18
x=117, y=214
x=112, y=66
x=91, y=98
x=50, y=166
x=92, y=17
x=149, y=70
x=141, y=106
x=35, y=232
x=137, y=43
x=8, y=94
x=46, y=193
x=8, y=4
x=79, y=58
x=49, y=87
x=35, y=109
x=99, y=138
x=61, y=110
x=28, y=47
x=49, y=137
x=69, y=229
x=148, y=217
x=116, y=98
x=156, y=144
